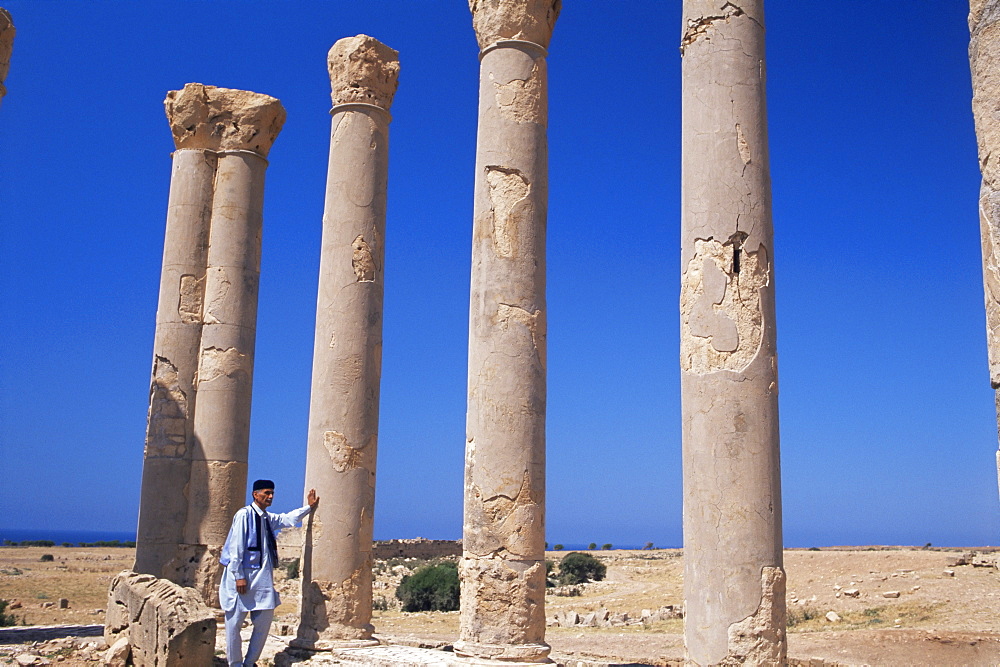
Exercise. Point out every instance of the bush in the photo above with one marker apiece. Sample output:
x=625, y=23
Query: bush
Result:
x=47, y=558
x=592, y=546
x=430, y=588
x=5, y=618
x=577, y=568
x=292, y=569
x=557, y=547
x=606, y=547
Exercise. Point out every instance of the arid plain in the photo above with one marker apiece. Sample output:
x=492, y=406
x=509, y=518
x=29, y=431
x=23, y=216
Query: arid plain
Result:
x=896, y=606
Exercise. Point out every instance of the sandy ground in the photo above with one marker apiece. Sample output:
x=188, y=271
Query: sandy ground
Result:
x=943, y=615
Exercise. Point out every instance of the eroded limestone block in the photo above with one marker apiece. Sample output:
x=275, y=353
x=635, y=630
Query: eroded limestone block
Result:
x=363, y=69
x=166, y=625
x=223, y=118
x=528, y=20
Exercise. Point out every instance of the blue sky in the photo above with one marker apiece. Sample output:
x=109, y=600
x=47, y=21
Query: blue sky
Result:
x=887, y=420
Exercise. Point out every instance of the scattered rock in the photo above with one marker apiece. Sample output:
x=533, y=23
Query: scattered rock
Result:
x=949, y=573
x=852, y=592
x=118, y=654
x=890, y=594
x=63, y=603
x=833, y=617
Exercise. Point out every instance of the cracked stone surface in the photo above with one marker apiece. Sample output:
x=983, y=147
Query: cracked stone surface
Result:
x=7, y=32
x=502, y=569
x=732, y=495
x=347, y=354
x=199, y=416
x=363, y=69
x=223, y=118
x=528, y=20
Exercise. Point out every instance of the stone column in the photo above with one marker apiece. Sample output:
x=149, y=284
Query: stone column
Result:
x=734, y=582
x=503, y=560
x=195, y=469
x=336, y=606
x=6, y=47
x=984, y=60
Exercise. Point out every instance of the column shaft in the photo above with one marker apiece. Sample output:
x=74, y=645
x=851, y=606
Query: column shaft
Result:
x=734, y=584
x=6, y=47
x=170, y=432
x=336, y=606
x=503, y=561
x=984, y=61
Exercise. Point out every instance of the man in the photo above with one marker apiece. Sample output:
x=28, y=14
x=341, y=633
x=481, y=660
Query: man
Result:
x=249, y=557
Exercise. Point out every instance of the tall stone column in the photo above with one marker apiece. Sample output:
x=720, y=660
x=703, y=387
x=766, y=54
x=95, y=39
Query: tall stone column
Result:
x=503, y=560
x=734, y=581
x=195, y=468
x=984, y=60
x=336, y=606
x=6, y=47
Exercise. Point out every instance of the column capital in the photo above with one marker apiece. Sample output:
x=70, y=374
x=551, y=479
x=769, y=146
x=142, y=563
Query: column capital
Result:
x=363, y=70
x=524, y=20
x=220, y=119
x=6, y=46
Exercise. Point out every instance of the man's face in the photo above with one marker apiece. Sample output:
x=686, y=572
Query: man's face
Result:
x=263, y=497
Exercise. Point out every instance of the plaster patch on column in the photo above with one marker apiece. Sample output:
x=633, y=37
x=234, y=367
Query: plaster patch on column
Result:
x=166, y=430
x=363, y=261
x=534, y=321
x=742, y=145
x=721, y=319
x=522, y=100
x=508, y=188
x=192, y=298
x=699, y=27
x=218, y=298
x=216, y=363
x=343, y=456
x=759, y=639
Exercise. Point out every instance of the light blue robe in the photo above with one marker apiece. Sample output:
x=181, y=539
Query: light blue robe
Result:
x=255, y=567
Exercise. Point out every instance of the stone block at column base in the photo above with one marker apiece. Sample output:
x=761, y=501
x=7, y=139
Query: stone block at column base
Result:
x=331, y=644
x=506, y=653
x=197, y=566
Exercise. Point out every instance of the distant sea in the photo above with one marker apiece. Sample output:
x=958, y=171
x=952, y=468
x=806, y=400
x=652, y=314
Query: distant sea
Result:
x=60, y=536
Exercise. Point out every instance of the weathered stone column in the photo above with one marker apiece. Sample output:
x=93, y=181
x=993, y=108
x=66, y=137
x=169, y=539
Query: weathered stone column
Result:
x=734, y=582
x=6, y=47
x=984, y=60
x=503, y=560
x=194, y=475
x=336, y=605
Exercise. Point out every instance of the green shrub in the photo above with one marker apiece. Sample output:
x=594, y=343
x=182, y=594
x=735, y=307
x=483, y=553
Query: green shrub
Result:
x=292, y=569
x=606, y=547
x=47, y=558
x=592, y=546
x=430, y=588
x=557, y=547
x=577, y=568
x=5, y=618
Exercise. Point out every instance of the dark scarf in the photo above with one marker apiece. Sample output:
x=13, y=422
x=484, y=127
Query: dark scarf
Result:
x=272, y=545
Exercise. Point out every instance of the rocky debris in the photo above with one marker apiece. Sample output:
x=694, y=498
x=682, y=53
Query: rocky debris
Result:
x=833, y=617
x=118, y=654
x=165, y=624
x=852, y=592
x=63, y=650
x=602, y=618
x=949, y=573
x=890, y=594
x=63, y=603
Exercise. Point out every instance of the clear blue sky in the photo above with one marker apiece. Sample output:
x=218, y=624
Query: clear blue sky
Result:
x=887, y=420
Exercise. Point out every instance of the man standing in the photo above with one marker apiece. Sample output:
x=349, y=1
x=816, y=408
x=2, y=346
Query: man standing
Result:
x=249, y=557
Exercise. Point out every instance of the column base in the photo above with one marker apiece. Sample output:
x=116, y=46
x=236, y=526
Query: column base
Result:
x=526, y=653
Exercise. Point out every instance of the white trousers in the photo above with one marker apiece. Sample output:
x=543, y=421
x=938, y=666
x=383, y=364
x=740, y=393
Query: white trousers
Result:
x=261, y=620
